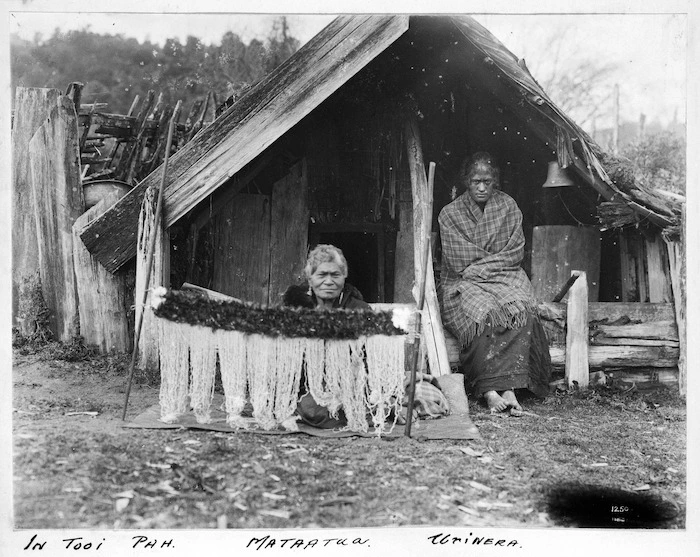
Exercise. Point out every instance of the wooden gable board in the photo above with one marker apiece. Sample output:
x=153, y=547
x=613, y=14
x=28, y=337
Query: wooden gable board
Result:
x=251, y=125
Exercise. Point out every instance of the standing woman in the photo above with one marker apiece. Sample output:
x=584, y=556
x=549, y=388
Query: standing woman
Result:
x=486, y=298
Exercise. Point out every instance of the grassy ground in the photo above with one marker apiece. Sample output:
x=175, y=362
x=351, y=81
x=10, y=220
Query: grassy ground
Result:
x=75, y=466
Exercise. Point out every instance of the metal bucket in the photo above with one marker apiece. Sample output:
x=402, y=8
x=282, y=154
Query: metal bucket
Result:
x=94, y=192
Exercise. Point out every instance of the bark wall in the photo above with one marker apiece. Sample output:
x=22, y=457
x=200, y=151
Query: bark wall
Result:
x=32, y=107
x=54, y=176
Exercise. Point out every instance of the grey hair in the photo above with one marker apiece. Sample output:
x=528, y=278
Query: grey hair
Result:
x=471, y=164
x=325, y=253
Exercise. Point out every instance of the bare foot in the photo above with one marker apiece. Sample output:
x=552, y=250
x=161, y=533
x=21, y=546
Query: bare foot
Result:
x=495, y=402
x=511, y=401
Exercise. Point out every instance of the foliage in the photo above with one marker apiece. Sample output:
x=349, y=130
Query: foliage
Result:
x=33, y=313
x=659, y=160
x=656, y=161
x=74, y=350
x=115, y=69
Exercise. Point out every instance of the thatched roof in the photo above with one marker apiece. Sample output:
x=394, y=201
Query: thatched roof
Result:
x=269, y=109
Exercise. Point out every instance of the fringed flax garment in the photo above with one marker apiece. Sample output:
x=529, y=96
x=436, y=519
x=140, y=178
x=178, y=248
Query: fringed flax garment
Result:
x=352, y=359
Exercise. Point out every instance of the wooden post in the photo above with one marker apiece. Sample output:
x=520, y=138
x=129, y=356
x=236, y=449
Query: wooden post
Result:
x=148, y=339
x=58, y=202
x=289, y=233
x=433, y=335
x=658, y=269
x=633, y=275
x=132, y=148
x=403, y=256
x=101, y=295
x=577, y=332
x=676, y=259
x=31, y=109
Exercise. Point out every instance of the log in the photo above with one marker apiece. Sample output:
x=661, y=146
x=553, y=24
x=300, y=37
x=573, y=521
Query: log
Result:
x=646, y=376
x=289, y=231
x=113, y=125
x=657, y=330
x=212, y=294
x=32, y=107
x=433, y=335
x=602, y=339
x=641, y=377
x=102, y=296
x=602, y=357
x=262, y=115
x=147, y=355
x=577, y=332
x=91, y=107
x=54, y=161
x=596, y=358
x=612, y=311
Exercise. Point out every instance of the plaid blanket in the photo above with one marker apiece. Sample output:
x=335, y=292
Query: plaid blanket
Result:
x=481, y=280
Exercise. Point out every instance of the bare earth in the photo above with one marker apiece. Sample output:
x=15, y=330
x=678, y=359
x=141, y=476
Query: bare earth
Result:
x=79, y=470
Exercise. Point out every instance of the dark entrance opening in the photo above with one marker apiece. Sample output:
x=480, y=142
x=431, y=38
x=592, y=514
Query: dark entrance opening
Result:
x=363, y=247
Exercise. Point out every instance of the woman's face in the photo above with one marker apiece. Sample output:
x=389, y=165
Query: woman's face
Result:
x=481, y=184
x=327, y=281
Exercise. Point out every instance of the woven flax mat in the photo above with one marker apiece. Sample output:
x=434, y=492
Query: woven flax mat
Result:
x=454, y=426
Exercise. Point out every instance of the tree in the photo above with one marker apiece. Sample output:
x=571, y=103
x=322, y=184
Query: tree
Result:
x=114, y=69
x=581, y=87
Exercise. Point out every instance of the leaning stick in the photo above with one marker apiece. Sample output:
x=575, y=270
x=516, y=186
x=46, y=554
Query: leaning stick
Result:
x=427, y=226
x=151, y=250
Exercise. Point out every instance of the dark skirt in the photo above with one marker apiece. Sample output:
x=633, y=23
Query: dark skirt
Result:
x=501, y=359
x=312, y=413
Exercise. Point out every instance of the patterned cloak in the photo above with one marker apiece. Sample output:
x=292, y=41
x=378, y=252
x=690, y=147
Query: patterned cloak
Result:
x=481, y=279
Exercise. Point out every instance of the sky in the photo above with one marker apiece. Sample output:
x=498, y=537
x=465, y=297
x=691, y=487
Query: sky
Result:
x=649, y=50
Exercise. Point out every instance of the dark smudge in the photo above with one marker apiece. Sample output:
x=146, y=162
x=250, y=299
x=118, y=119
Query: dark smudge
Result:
x=595, y=506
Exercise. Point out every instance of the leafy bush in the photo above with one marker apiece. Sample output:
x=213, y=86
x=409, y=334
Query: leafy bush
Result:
x=659, y=160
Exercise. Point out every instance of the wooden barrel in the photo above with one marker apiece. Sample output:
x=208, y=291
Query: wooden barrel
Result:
x=558, y=250
x=97, y=190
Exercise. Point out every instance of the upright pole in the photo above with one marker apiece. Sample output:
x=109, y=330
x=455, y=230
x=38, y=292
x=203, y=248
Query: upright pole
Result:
x=427, y=227
x=151, y=249
x=616, y=119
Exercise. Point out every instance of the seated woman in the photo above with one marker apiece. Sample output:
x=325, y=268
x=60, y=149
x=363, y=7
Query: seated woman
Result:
x=486, y=298
x=326, y=272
